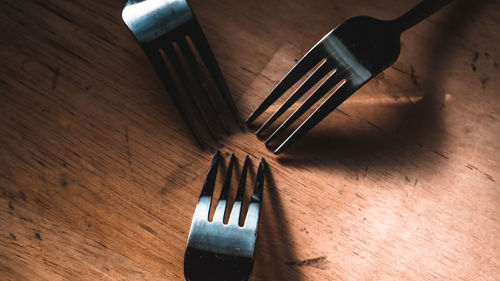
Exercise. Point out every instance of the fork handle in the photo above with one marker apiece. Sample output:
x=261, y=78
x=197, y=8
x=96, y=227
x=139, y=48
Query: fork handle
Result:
x=419, y=13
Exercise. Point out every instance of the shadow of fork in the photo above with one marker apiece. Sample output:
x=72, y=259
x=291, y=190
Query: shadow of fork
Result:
x=274, y=245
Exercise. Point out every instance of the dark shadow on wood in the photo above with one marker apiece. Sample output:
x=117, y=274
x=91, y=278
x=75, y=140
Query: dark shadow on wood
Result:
x=275, y=248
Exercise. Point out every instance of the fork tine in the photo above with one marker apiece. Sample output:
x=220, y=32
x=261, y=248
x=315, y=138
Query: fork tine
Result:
x=235, y=215
x=319, y=73
x=333, y=101
x=188, y=54
x=221, y=204
x=203, y=207
x=313, y=98
x=174, y=58
x=299, y=70
x=252, y=219
x=161, y=69
x=201, y=44
x=259, y=182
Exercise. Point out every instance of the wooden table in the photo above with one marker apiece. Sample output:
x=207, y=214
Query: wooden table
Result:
x=99, y=176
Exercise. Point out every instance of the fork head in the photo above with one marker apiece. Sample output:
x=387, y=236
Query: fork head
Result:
x=172, y=39
x=219, y=251
x=346, y=58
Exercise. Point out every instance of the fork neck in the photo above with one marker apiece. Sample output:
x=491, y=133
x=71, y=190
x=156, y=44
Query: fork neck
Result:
x=418, y=13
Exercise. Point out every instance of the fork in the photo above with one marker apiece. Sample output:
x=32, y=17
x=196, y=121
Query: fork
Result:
x=353, y=52
x=218, y=251
x=161, y=27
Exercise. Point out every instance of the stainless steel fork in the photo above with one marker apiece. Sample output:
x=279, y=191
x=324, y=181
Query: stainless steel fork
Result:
x=164, y=28
x=216, y=251
x=357, y=50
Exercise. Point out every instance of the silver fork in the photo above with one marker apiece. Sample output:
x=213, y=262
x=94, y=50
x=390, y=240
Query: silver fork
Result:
x=357, y=50
x=217, y=251
x=161, y=27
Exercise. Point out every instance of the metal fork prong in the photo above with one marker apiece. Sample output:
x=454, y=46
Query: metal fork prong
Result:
x=160, y=67
x=235, y=215
x=298, y=71
x=252, y=219
x=310, y=101
x=182, y=73
x=319, y=73
x=202, y=210
x=190, y=58
x=343, y=92
x=220, y=210
x=201, y=44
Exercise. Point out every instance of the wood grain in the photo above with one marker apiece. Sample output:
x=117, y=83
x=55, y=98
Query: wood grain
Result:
x=99, y=176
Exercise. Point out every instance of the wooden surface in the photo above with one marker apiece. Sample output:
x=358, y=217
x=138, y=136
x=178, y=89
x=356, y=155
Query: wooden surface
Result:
x=99, y=177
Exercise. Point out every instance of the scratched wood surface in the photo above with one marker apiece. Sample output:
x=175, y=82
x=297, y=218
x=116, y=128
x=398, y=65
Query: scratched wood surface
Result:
x=99, y=176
